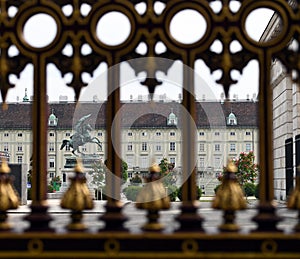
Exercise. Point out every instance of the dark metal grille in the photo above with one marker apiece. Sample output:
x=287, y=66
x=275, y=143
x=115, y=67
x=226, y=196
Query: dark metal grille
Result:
x=76, y=30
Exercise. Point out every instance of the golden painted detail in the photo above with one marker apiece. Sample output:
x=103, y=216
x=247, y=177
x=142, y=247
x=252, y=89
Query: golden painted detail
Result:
x=35, y=246
x=153, y=198
x=189, y=246
x=229, y=198
x=112, y=246
x=269, y=247
x=77, y=198
x=8, y=196
x=294, y=201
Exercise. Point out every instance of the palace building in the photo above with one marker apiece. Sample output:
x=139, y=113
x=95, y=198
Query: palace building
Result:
x=150, y=132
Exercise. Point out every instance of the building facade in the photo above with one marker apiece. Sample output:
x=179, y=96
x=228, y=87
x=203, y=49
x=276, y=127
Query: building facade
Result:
x=286, y=114
x=149, y=134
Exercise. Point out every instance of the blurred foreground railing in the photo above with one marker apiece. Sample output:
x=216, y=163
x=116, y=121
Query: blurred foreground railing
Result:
x=77, y=29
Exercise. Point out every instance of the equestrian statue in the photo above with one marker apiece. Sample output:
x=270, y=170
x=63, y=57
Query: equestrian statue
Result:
x=81, y=136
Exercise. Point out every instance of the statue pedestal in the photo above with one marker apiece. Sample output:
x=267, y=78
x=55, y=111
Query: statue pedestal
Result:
x=68, y=171
x=86, y=160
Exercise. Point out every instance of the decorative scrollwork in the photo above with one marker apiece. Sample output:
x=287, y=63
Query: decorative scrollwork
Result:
x=77, y=28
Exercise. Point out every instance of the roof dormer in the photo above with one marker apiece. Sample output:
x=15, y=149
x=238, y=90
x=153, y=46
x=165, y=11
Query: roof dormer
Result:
x=231, y=119
x=52, y=120
x=172, y=119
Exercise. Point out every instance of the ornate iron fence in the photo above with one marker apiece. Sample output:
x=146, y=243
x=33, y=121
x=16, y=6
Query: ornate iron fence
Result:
x=76, y=30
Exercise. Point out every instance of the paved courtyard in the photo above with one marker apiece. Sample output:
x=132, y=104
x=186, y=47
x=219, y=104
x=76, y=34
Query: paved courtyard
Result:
x=136, y=218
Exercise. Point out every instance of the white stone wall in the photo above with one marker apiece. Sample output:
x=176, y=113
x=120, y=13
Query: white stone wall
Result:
x=283, y=113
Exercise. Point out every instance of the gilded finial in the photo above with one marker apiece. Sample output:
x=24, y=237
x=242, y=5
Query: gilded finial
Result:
x=229, y=198
x=4, y=168
x=4, y=106
x=231, y=167
x=294, y=200
x=78, y=167
x=154, y=168
x=77, y=198
x=153, y=198
x=8, y=196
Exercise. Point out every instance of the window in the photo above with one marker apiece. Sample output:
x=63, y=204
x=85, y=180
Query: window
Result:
x=51, y=163
x=248, y=133
x=232, y=147
x=201, y=162
x=158, y=148
x=144, y=146
x=20, y=148
x=51, y=147
x=217, y=147
x=20, y=159
x=83, y=149
x=248, y=147
x=20, y=134
x=201, y=147
x=172, y=133
x=217, y=162
x=129, y=147
x=129, y=134
x=144, y=134
x=51, y=134
x=129, y=161
x=6, y=134
x=232, y=133
x=5, y=147
x=68, y=134
x=158, y=133
x=99, y=148
x=172, y=146
x=99, y=134
x=144, y=161
x=172, y=160
x=217, y=133
x=201, y=133
x=68, y=147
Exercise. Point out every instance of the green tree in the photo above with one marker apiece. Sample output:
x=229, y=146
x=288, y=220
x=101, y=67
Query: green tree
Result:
x=247, y=170
x=167, y=174
x=136, y=179
x=124, y=172
x=98, y=174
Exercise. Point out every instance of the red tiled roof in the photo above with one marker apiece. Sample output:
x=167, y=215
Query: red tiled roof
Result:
x=139, y=114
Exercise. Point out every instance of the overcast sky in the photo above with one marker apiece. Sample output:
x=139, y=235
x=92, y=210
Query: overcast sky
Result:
x=182, y=28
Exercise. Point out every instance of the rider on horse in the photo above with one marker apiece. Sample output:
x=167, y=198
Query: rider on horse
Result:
x=81, y=135
x=82, y=131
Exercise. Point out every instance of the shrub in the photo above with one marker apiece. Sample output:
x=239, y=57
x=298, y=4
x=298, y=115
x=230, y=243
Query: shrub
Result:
x=50, y=188
x=249, y=189
x=136, y=179
x=256, y=193
x=172, y=192
x=131, y=192
x=179, y=193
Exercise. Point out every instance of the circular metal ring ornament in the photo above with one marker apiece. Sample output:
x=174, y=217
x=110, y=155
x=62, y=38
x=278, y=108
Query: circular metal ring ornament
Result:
x=283, y=13
x=102, y=10
x=112, y=246
x=25, y=16
x=35, y=246
x=269, y=247
x=189, y=246
x=195, y=6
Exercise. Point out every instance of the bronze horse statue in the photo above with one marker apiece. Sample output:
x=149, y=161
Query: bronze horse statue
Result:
x=81, y=136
